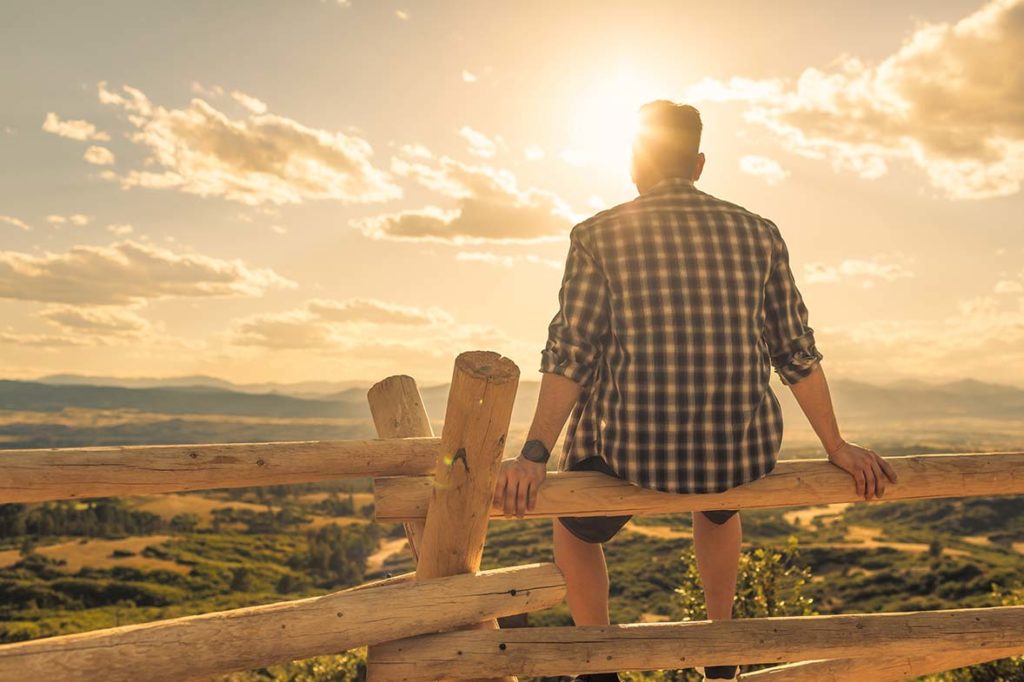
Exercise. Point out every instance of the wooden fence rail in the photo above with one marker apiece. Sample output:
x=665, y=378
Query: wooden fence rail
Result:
x=792, y=483
x=658, y=646
x=198, y=647
x=67, y=473
x=894, y=667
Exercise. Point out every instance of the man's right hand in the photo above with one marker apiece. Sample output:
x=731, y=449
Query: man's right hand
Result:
x=867, y=468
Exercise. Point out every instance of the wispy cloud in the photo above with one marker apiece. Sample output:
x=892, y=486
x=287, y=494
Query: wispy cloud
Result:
x=763, y=167
x=260, y=159
x=337, y=325
x=982, y=338
x=11, y=220
x=126, y=272
x=479, y=143
x=99, y=156
x=72, y=129
x=490, y=206
x=103, y=321
x=865, y=272
x=509, y=260
x=76, y=219
x=251, y=103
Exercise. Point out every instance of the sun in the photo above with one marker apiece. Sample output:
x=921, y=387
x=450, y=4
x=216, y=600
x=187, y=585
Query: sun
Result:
x=606, y=120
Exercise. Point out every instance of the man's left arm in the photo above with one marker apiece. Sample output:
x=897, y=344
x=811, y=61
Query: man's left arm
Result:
x=576, y=338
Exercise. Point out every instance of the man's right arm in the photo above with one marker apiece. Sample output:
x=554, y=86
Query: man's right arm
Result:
x=796, y=359
x=868, y=469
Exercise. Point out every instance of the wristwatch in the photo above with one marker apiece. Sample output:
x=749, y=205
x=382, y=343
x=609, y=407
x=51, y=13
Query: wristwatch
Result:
x=535, y=451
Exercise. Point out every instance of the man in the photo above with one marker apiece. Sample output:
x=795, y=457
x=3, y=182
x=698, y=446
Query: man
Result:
x=674, y=309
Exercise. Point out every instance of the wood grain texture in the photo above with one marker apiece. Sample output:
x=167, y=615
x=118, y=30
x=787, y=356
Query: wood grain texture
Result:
x=658, y=646
x=893, y=668
x=398, y=412
x=792, y=483
x=476, y=422
x=68, y=473
x=217, y=643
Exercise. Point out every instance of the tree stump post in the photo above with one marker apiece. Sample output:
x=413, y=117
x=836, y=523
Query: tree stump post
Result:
x=476, y=423
x=398, y=412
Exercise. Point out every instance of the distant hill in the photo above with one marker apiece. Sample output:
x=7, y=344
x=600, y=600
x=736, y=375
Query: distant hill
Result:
x=304, y=389
x=38, y=397
x=906, y=400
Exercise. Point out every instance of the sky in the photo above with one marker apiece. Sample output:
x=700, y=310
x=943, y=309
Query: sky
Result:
x=306, y=190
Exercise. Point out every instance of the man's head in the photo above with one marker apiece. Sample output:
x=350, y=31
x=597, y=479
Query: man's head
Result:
x=667, y=144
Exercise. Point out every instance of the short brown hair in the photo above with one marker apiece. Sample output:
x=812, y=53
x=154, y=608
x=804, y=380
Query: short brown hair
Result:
x=668, y=137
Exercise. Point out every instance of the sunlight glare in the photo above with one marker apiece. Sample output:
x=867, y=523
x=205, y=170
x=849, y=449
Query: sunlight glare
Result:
x=603, y=129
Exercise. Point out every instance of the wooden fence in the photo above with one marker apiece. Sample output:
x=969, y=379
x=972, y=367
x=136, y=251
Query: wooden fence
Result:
x=440, y=621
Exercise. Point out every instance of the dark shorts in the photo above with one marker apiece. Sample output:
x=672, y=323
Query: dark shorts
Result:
x=603, y=528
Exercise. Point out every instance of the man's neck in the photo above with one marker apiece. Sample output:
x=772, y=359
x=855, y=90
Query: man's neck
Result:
x=644, y=188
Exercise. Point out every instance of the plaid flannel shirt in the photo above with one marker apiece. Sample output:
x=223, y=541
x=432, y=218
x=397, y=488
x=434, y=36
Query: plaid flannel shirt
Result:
x=673, y=310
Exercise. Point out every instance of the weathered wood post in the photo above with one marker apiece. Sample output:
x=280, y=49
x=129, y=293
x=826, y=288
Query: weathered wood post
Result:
x=476, y=423
x=398, y=412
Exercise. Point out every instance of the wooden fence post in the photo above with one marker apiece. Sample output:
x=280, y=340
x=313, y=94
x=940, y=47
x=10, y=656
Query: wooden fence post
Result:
x=476, y=422
x=398, y=412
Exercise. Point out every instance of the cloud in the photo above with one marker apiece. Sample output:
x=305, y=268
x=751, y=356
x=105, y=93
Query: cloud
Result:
x=490, y=206
x=534, y=152
x=100, y=156
x=375, y=312
x=76, y=219
x=126, y=272
x=945, y=101
x=260, y=159
x=10, y=220
x=735, y=89
x=344, y=326
x=72, y=129
x=120, y=229
x=866, y=272
x=402, y=14
x=468, y=77
x=982, y=338
x=1009, y=286
x=507, y=261
x=251, y=103
x=43, y=341
x=102, y=321
x=763, y=167
x=479, y=144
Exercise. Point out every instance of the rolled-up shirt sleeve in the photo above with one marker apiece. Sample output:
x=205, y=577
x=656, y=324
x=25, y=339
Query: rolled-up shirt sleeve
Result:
x=578, y=331
x=790, y=341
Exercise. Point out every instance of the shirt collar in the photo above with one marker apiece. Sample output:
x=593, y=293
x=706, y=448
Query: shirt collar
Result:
x=668, y=184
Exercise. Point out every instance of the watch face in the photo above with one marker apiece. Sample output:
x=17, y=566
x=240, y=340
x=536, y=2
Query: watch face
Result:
x=536, y=452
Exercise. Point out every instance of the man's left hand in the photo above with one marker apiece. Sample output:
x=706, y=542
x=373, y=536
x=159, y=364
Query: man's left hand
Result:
x=519, y=480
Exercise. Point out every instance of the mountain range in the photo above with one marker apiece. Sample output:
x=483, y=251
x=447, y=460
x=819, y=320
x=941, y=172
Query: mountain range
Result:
x=897, y=401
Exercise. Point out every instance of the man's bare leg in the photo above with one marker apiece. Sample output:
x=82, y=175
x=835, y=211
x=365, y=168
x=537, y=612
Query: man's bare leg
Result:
x=717, y=548
x=586, y=576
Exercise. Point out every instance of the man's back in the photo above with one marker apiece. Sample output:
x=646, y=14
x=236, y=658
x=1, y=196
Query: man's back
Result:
x=673, y=310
